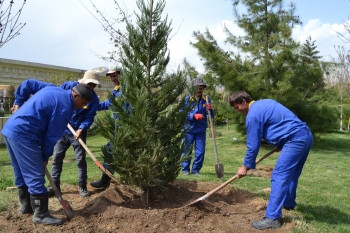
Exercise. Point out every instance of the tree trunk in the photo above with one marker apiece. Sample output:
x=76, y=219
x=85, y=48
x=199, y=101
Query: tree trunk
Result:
x=144, y=196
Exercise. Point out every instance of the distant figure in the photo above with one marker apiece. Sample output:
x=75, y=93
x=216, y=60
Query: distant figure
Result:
x=30, y=136
x=196, y=127
x=267, y=119
x=114, y=73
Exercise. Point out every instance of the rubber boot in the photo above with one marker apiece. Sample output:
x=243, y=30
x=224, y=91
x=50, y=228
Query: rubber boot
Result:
x=103, y=183
x=41, y=215
x=24, y=199
x=50, y=189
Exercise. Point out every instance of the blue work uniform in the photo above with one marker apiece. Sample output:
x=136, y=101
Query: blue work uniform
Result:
x=82, y=119
x=31, y=133
x=195, y=132
x=116, y=93
x=267, y=119
x=27, y=88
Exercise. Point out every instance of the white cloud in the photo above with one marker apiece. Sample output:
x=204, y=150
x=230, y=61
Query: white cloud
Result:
x=325, y=36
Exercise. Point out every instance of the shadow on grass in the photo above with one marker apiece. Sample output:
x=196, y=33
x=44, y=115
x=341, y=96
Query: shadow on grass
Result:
x=327, y=214
x=331, y=144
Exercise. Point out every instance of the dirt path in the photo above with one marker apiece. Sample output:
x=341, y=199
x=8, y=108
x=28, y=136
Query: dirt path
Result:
x=119, y=209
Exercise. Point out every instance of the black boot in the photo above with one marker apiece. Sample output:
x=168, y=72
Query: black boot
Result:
x=24, y=198
x=41, y=215
x=103, y=183
x=50, y=189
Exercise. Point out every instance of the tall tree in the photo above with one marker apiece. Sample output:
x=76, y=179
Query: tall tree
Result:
x=9, y=25
x=146, y=141
x=267, y=64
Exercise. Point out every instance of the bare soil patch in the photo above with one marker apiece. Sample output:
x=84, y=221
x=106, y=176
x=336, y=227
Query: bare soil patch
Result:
x=262, y=171
x=119, y=209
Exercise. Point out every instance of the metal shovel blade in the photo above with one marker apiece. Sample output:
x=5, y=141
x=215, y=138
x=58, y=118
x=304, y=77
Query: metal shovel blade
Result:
x=219, y=168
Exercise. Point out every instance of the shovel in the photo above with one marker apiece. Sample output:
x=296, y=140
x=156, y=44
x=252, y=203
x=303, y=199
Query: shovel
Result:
x=65, y=204
x=228, y=181
x=219, y=168
x=104, y=170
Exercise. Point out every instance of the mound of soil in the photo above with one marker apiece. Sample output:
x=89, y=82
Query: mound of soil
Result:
x=119, y=209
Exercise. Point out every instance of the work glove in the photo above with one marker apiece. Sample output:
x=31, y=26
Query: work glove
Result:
x=209, y=107
x=198, y=116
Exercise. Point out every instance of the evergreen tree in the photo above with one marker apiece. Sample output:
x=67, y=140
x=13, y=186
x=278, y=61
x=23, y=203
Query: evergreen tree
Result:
x=309, y=54
x=9, y=99
x=268, y=64
x=146, y=141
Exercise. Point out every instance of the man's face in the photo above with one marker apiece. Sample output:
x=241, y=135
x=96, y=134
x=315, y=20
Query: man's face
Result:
x=115, y=78
x=79, y=102
x=200, y=91
x=243, y=107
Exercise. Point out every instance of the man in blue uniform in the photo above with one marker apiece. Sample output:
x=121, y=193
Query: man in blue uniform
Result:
x=113, y=73
x=81, y=121
x=273, y=122
x=30, y=135
x=196, y=127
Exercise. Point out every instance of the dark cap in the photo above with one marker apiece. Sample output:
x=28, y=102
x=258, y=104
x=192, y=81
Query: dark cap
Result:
x=84, y=91
x=199, y=82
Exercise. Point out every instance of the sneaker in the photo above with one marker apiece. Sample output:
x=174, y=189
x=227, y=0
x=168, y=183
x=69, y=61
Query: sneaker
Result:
x=186, y=173
x=83, y=192
x=266, y=223
x=196, y=174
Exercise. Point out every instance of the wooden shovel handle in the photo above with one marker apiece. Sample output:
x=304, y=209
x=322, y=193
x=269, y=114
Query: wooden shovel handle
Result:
x=65, y=204
x=229, y=180
x=104, y=170
x=212, y=132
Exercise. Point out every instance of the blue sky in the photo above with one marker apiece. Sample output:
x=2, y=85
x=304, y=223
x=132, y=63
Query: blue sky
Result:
x=64, y=33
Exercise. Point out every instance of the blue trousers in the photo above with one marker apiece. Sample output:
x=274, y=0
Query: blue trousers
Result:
x=61, y=147
x=109, y=151
x=199, y=140
x=28, y=165
x=285, y=176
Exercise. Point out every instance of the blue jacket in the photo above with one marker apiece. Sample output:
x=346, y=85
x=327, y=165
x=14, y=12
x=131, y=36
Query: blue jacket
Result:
x=27, y=88
x=105, y=105
x=117, y=95
x=271, y=121
x=193, y=125
x=42, y=119
x=82, y=117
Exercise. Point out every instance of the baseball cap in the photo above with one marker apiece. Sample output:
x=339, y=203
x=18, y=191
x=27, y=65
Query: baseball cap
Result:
x=84, y=91
x=113, y=69
x=199, y=82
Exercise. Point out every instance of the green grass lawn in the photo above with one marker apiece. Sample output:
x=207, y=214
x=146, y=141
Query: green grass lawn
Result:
x=323, y=194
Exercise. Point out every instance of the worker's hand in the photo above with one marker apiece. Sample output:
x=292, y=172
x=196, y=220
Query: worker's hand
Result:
x=45, y=163
x=198, y=116
x=78, y=134
x=209, y=107
x=242, y=171
x=14, y=108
